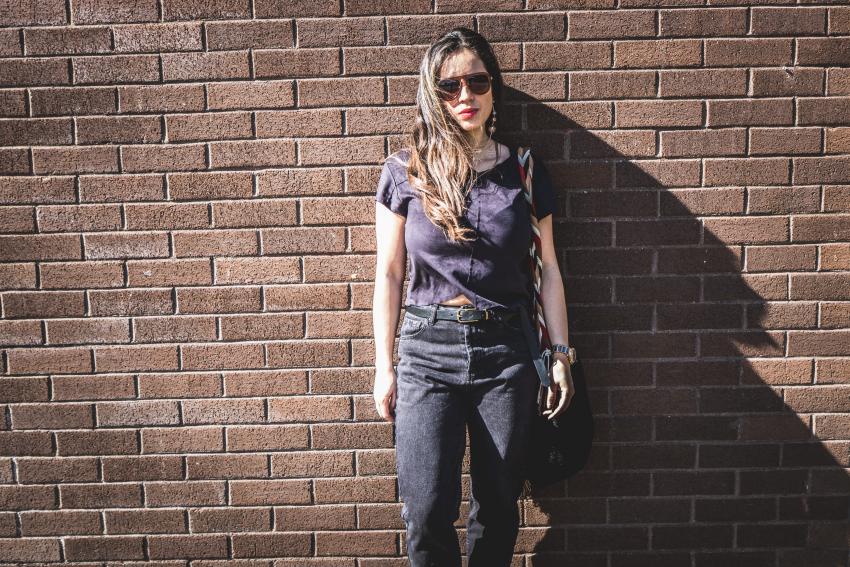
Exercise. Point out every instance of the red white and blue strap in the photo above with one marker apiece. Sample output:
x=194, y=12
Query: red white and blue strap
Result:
x=535, y=262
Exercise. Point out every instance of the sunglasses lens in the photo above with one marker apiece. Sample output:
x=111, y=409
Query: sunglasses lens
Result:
x=479, y=84
x=448, y=89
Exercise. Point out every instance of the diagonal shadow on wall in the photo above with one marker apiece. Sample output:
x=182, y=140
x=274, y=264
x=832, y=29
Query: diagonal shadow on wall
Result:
x=719, y=435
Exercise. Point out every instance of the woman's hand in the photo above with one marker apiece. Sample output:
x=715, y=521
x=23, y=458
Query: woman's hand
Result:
x=561, y=389
x=385, y=393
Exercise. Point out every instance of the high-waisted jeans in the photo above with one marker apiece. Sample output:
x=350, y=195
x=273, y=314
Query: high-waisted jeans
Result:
x=451, y=376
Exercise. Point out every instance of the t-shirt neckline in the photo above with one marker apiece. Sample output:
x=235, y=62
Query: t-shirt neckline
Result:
x=498, y=165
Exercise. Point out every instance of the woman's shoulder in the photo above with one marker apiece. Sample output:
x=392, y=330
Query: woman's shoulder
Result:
x=396, y=164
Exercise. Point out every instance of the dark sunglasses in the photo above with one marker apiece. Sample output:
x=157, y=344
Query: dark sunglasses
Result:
x=449, y=88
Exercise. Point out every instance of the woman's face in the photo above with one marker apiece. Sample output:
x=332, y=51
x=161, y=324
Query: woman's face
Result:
x=463, y=62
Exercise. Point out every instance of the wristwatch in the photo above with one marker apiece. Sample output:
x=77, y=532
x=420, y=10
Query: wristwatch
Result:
x=568, y=350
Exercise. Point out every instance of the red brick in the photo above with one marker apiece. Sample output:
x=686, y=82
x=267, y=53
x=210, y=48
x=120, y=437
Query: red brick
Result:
x=251, y=94
x=180, y=36
x=257, y=270
x=274, y=545
x=91, y=548
x=161, y=98
x=265, y=492
x=229, y=520
x=17, y=220
x=12, y=102
x=310, y=408
x=182, y=385
x=130, y=358
x=121, y=188
x=231, y=299
x=267, y=437
x=36, y=131
x=118, y=129
x=131, y=302
x=611, y=24
x=43, y=304
x=20, y=190
x=97, y=442
x=265, y=382
x=85, y=159
x=313, y=464
x=77, y=101
x=81, y=275
x=303, y=297
x=278, y=63
x=299, y=182
x=255, y=213
x=107, y=11
x=49, y=360
x=215, y=243
x=53, y=416
x=340, y=92
x=145, y=521
x=67, y=40
x=182, y=439
x=120, y=469
x=116, y=69
x=303, y=240
x=258, y=34
x=161, y=273
x=166, y=216
x=219, y=9
x=221, y=356
x=297, y=8
x=78, y=218
x=339, y=32
x=17, y=276
x=227, y=466
x=205, y=66
x=210, y=185
x=252, y=153
x=607, y=85
x=126, y=245
x=19, y=333
x=137, y=413
x=184, y=328
x=33, y=12
x=34, y=72
x=163, y=157
x=740, y=52
x=195, y=127
x=29, y=443
x=40, y=247
x=266, y=326
x=88, y=331
x=195, y=546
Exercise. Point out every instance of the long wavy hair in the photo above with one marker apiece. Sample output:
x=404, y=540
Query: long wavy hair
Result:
x=440, y=150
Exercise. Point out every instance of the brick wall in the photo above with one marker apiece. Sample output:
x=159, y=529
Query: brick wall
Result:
x=187, y=253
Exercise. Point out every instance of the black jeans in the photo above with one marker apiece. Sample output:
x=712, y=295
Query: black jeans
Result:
x=452, y=376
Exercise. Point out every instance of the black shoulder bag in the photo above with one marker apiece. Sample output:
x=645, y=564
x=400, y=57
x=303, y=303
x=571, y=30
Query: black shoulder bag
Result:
x=559, y=447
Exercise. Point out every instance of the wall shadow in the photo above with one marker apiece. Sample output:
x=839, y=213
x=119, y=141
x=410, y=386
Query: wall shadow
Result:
x=705, y=453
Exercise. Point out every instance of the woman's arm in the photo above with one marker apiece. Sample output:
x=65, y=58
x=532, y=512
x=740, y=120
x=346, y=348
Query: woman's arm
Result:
x=390, y=266
x=552, y=286
x=561, y=388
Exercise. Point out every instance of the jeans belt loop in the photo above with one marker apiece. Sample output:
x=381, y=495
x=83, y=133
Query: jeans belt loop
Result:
x=432, y=317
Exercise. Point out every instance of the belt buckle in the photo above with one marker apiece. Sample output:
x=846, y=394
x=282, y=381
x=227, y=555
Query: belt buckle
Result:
x=463, y=308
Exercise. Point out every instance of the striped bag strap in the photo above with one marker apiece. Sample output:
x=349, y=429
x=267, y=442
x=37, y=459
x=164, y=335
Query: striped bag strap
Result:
x=526, y=171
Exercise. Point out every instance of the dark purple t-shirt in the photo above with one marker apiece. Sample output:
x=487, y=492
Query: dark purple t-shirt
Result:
x=491, y=271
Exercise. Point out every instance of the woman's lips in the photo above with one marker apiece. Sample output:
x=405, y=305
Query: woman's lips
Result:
x=469, y=113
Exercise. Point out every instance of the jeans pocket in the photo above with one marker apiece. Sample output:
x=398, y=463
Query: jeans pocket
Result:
x=412, y=326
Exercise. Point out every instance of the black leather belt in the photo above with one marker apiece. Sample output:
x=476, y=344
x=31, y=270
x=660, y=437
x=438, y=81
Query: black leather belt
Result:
x=462, y=313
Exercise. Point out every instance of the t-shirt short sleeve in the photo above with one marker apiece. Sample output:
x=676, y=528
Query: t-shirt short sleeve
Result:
x=388, y=192
x=545, y=201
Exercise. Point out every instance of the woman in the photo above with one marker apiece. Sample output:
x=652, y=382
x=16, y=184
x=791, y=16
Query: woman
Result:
x=453, y=203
